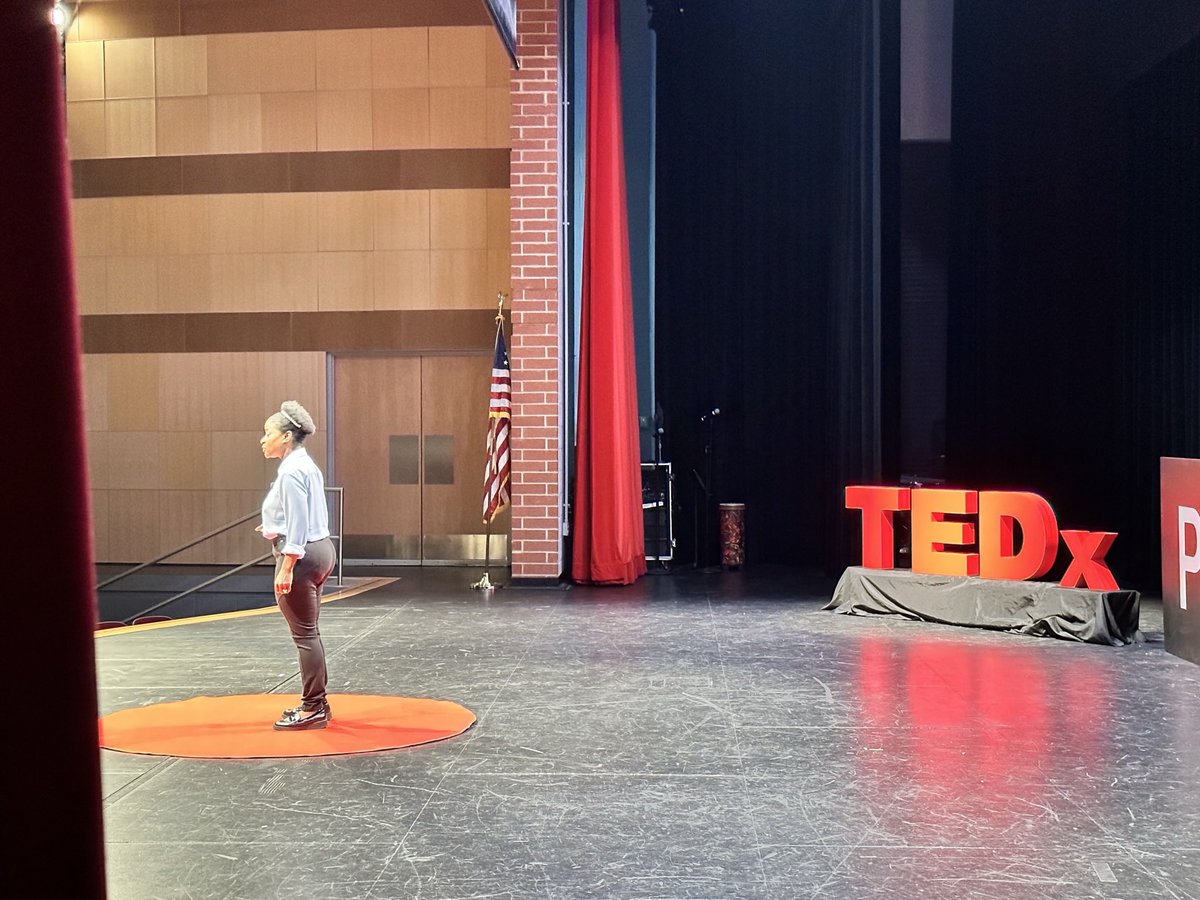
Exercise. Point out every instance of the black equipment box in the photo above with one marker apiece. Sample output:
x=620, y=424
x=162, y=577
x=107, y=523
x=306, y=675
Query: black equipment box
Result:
x=658, y=511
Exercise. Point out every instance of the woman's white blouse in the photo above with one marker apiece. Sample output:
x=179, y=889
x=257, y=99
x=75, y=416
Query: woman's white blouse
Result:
x=295, y=505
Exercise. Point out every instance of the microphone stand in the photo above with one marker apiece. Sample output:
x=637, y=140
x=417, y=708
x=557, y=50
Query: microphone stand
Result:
x=708, y=466
x=707, y=483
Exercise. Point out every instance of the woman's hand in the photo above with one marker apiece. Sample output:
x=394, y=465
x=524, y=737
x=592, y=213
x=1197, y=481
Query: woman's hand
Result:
x=283, y=577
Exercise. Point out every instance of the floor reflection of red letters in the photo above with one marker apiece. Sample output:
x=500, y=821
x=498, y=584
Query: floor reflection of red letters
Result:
x=960, y=741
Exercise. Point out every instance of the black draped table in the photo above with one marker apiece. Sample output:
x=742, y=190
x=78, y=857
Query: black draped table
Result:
x=1024, y=607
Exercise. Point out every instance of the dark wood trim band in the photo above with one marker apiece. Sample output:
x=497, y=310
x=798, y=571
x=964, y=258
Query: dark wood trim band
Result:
x=394, y=330
x=268, y=173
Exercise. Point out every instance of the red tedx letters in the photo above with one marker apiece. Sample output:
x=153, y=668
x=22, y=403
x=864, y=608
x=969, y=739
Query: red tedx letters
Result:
x=944, y=523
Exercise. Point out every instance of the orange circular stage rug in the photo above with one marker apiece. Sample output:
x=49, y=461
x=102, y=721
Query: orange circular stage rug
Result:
x=239, y=727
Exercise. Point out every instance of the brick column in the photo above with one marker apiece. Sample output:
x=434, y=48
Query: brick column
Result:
x=534, y=221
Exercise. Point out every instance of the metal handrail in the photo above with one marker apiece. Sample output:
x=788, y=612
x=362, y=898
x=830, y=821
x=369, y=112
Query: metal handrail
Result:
x=187, y=546
x=192, y=590
x=341, y=511
x=341, y=504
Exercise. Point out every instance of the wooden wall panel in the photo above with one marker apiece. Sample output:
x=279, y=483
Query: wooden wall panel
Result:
x=402, y=279
x=231, y=66
x=499, y=66
x=184, y=283
x=238, y=463
x=185, y=392
x=343, y=60
x=289, y=281
x=133, y=526
x=129, y=127
x=181, y=66
x=133, y=460
x=129, y=69
x=291, y=91
x=147, y=18
x=182, y=126
x=458, y=220
x=85, y=70
x=185, y=461
x=290, y=222
x=95, y=391
x=289, y=122
x=99, y=526
x=286, y=61
x=497, y=219
x=91, y=284
x=344, y=120
x=400, y=58
x=345, y=281
x=98, y=460
x=131, y=284
x=458, y=117
x=263, y=62
x=237, y=380
x=299, y=377
x=131, y=222
x=400, y=118
x=90, y=226
x=182, y=517
x=499, y=117
x=242, y=543
x=181, y=225
x=458, y=279
x=345, y=221
x=458, y=57
x=235, y=223
x=499, y=271
x=401, y=220
x=236, y=281
x=85, y=129
x=235, y=123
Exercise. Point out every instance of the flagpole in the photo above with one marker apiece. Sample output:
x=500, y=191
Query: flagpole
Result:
x=484, y=583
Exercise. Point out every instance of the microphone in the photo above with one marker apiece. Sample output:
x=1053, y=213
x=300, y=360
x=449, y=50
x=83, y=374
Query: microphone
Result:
x=712, y=413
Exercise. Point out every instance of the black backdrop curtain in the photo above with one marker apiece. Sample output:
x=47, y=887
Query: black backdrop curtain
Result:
x=1073, y=354
x=1160, y=383
x=771, y=293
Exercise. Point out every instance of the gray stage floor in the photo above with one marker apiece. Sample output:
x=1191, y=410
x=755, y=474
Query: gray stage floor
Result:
x=692, y=736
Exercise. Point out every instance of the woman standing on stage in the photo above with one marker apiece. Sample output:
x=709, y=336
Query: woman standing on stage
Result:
x=295, y=518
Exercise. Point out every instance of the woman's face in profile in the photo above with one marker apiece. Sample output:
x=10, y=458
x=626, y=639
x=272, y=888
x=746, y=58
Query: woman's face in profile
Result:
x=273, y=441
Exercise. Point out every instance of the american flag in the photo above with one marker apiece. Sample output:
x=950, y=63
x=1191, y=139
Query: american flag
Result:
x=496, y=476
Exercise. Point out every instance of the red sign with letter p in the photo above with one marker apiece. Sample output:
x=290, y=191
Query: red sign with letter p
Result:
x=1179, y=516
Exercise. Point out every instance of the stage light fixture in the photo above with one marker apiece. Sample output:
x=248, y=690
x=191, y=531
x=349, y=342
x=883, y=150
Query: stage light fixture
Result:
x=61, y=15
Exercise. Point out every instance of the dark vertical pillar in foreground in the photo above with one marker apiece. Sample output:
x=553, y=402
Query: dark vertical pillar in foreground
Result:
x=54, y=838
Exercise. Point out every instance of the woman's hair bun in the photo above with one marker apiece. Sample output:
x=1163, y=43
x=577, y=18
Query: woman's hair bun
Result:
x=298, y=416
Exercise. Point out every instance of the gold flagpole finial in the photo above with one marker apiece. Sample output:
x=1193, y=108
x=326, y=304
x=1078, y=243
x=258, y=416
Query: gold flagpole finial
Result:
x=500, y=298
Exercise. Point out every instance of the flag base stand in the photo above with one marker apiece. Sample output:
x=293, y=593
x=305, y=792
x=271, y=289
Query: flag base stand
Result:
x=483, y=584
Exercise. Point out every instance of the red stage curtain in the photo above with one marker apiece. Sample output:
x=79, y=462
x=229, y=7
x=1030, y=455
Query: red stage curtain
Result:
x=55, y=845
x=608, y=544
